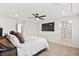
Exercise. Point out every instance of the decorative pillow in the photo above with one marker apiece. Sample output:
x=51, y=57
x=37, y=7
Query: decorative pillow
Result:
x=13, y=32
x=19, y=36
x=14, y=40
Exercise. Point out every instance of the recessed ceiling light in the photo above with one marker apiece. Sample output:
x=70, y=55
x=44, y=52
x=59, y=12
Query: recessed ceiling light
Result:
x=70, y=21
x=63, y=12
x=16, y=15
x=13, y=15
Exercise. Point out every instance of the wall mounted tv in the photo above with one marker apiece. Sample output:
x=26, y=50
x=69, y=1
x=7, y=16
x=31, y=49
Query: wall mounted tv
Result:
x=48, y=26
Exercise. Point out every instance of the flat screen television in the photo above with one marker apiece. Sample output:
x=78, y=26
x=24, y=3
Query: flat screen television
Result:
x=48, y=26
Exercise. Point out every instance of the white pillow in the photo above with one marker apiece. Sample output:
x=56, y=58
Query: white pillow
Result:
x=14, y=40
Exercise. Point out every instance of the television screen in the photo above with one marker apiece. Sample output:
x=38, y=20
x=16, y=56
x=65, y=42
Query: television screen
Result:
x=48, y=26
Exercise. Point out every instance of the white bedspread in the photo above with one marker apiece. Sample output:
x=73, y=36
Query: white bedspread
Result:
x=32, y=46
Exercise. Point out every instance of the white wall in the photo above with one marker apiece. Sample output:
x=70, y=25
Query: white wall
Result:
x=29, y=28
x=75, y=31
x=7, y=24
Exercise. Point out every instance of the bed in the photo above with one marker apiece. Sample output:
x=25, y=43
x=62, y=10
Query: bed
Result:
x=31, y=46
x=37, y=44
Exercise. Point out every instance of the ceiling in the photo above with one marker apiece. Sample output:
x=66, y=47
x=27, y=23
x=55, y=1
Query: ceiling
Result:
x=24, y=10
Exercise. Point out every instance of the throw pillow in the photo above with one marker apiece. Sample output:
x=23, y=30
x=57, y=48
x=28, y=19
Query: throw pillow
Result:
x=14, y=40
x=19, y=36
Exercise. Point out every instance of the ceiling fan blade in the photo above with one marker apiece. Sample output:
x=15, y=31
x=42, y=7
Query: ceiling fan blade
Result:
x=36, y=15
x=43, y=16
x=33, y=14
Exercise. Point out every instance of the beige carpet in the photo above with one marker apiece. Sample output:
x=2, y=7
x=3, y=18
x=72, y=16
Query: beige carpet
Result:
x=60, y=50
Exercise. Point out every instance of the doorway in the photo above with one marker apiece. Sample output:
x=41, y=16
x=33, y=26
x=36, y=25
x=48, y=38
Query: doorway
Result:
x=66, y=32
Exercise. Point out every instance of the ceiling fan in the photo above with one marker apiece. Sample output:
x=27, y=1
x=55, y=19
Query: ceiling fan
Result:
x=37, y=16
